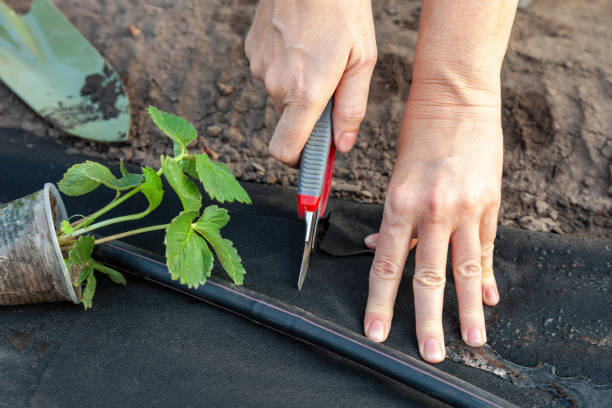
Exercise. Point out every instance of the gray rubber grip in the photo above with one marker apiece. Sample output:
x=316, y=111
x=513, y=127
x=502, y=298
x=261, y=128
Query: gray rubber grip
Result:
x=314, y=156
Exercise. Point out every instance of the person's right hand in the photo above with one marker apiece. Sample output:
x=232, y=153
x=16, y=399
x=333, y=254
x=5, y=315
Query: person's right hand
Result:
x=304, y=51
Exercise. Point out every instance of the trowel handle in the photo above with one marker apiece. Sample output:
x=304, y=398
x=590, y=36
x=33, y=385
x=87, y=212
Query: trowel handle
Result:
x=317, y=165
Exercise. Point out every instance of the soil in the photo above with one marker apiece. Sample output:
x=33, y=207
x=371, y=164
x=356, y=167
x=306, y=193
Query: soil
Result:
x=104, y=91
x=187, y=57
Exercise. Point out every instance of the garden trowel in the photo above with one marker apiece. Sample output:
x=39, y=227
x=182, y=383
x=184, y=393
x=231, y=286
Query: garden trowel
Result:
x=314, y=181
x=46, y=61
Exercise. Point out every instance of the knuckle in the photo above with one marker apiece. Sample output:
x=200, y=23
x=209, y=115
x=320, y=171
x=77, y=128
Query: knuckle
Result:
x=256, y=68
x=367, y=61
x=300, y=94
x=469, y=271
x=379, y=308
x=352, y=113
x=429, y=278
x=385, y=269
x=273, y=85
x=437, y=207
x=398, y=203
x=248, y=45
x=487, y=248
x=468, y=204
x=371, y=58
x=491, y=197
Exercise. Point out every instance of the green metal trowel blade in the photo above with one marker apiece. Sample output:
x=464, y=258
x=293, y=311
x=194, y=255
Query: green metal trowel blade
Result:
x=46, y=61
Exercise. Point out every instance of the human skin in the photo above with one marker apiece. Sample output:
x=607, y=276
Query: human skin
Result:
x=446, y=183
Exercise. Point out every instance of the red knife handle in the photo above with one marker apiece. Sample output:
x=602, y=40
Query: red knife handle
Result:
x=316, y=166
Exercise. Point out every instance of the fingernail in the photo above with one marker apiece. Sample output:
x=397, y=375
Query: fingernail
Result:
x=475, y=337
x=491, y=295
x=432, y=350
x=346, y=140
x=370, y=240
x=376, y=331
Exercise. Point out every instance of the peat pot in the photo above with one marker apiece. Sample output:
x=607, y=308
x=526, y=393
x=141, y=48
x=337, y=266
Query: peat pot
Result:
x=32, y=269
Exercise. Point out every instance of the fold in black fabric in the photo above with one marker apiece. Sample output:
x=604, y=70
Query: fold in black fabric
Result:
x=145, y=346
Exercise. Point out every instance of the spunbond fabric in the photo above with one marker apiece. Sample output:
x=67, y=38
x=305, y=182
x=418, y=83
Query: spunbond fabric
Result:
x=146, y=346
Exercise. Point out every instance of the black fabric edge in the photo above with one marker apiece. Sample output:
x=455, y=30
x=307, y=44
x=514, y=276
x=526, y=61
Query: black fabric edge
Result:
x=302, y=325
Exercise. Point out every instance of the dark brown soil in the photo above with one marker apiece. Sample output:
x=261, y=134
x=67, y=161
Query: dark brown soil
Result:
x=187, y=57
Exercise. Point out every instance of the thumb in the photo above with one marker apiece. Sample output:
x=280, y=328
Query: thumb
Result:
x=350, y=102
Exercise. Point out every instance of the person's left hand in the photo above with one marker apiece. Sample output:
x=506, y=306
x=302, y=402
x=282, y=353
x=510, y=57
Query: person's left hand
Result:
x=445, y=187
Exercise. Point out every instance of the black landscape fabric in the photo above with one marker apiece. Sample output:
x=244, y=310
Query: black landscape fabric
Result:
x=144, y=345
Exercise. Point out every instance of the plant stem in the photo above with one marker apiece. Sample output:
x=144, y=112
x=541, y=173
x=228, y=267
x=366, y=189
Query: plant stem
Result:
x=129, y=233
x=84, y=222
x=111, y=221
x=91, y=218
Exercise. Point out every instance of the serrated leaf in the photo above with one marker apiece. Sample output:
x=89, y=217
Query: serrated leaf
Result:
x=175, y=127
x=152, y=187
x=218, y=181
x=66, y=228
x=224, y=248
x=188, y=257
x=76, y=182
x=214, y=217
x=89, y=291
x=114, y=275
x=186, y=189
x=85, y=177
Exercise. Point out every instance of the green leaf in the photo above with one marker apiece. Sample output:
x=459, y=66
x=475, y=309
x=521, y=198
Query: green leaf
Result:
x=175, y=127
x=215, y=217
x=188, y=257
x=114, y=275
x=176, y=149
x=88, y=293
x=189, y=166
x=125, y=182
x=186, y=189
x=66, y=228
x=85, y=177
x=84, y=275
x=78, y=261
x=76, y=182
x=122, y=169
x=82, y=250
x=208, y=225
x=152, y=188
x=218, y=181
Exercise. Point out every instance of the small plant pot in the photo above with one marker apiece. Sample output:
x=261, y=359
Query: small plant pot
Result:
x=32, y=269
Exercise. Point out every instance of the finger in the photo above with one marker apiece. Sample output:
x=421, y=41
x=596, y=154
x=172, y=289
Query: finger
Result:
x=385, y=275
x=350, y=102
x=292, y=131
x=428, y=286
x=488, y=230
x=467, y=271
x=371, y=240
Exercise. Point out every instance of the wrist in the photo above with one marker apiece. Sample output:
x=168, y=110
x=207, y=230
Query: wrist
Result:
x=440, y=89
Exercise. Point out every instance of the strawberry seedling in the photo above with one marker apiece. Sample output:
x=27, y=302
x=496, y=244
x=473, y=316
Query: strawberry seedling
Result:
x=189, y=236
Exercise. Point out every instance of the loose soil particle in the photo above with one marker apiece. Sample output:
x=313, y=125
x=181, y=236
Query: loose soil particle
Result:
x=189, y=59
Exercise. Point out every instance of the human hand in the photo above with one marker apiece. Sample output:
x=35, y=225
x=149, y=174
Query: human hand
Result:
x=445, y=187
x=304, y=51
